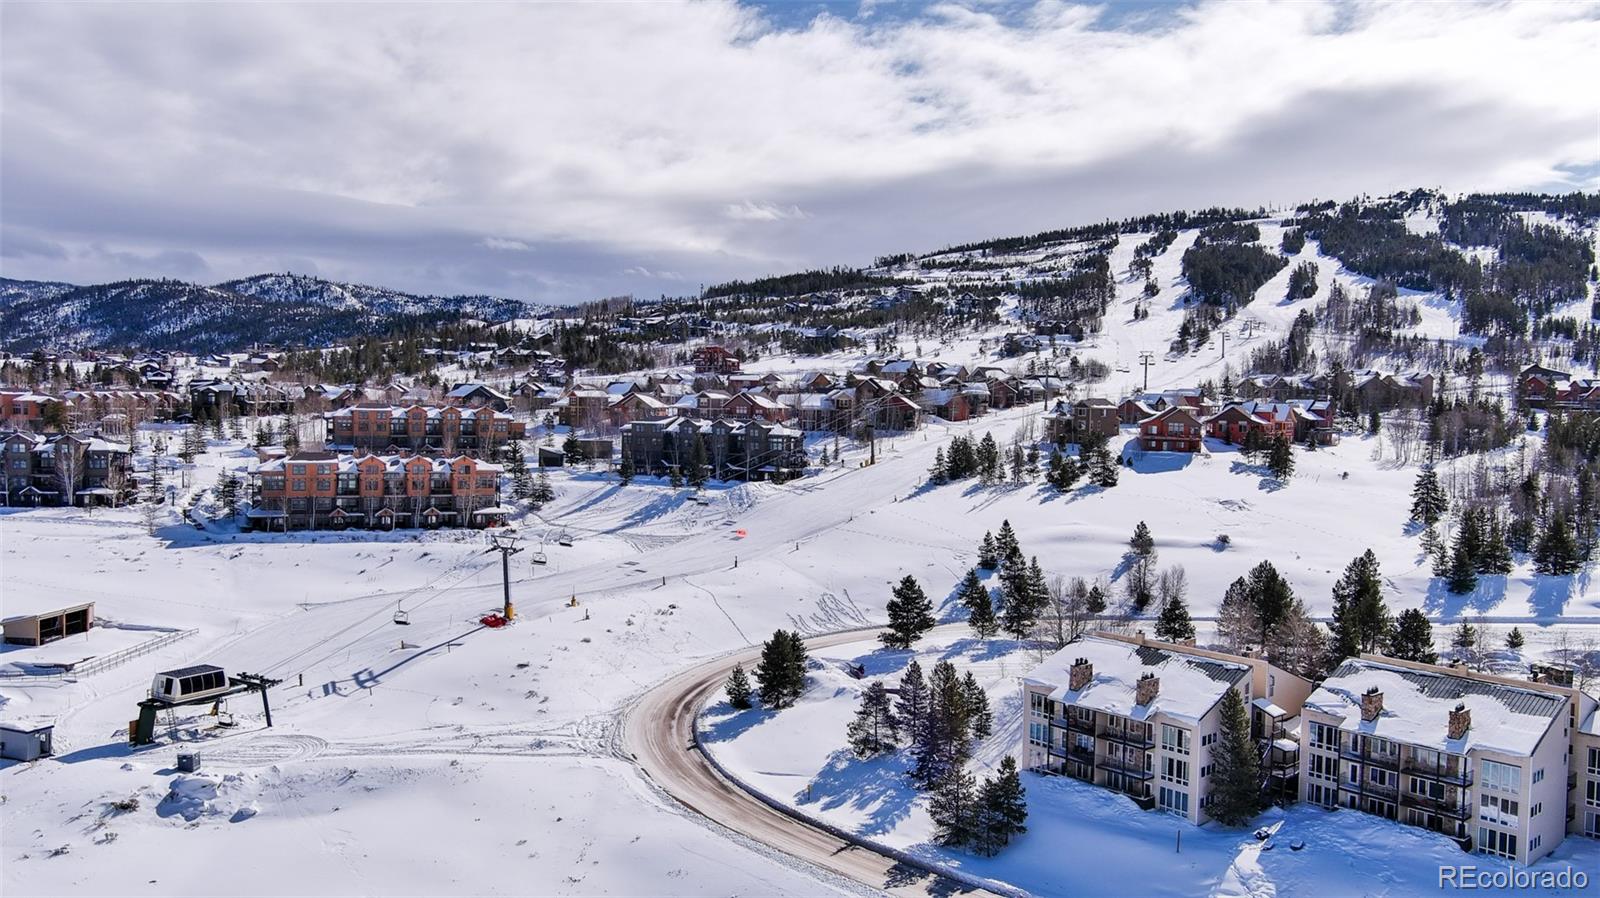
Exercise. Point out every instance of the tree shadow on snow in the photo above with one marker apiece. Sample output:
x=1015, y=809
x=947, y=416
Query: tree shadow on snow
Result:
x=974, y=649
x=727, y=729
x=883, y=662
x=877, y=786
x=1551, y=593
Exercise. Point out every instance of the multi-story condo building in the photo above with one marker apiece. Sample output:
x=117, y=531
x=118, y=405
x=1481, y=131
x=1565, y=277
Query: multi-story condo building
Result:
x=1141, y=717
x=63, y=469
x=312, y=490
x=449, y=429
x=731, y=450
x=1489, y=761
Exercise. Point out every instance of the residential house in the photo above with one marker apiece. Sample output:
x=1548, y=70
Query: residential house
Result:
x=324, y=490
x=732, y=449
x=714, y=360
x=1174, y=430
x=447, y=429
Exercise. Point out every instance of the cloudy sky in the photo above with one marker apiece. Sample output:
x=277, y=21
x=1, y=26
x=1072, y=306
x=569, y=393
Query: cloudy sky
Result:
x=563, y=152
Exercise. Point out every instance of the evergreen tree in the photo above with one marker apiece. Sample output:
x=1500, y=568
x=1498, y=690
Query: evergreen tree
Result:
x=953, y=807
x=697, y=463
x=781, y=673
x=1174, y=625
x=1495, y=558
x=874, y=729
x=1096, y=601
x=1556, y=552
x=1463, y=576
x=980, y=608
x=1514, y=639
x=738, y=688
x=910, y=615
x=1361, y=621
x=1464, y=636
x=1025, y=595
x=542, y=492
x=1280, y=459
x=944, y=740
x=1374, y=423
x=989, y=465
x=1428, y=502
x=1272, y=597
x=1142, y=542
x=988, y=552
x=1235, y=766
x=517, y=468
x=625, y=471
x=939, y=473
x=228, y=493
x=571, y=449
x=1006, y=544
x=977, y=704
x=1413, y=638
x=911, y=708
x=1002, y=809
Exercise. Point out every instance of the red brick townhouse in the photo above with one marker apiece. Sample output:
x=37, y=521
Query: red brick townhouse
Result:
x=1174, y=430
x=1235, y=423
x=321, y=490
x=447, y=429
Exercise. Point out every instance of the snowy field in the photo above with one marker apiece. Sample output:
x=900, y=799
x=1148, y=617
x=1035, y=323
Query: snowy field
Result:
x=1081, y=840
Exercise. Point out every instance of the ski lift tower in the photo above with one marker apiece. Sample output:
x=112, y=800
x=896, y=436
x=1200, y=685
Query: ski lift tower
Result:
x=506, y=545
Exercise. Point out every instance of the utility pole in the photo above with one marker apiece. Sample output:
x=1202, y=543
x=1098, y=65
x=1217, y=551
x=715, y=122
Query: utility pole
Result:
x=1147, y=359
x=1224, y=343
x=506, y=545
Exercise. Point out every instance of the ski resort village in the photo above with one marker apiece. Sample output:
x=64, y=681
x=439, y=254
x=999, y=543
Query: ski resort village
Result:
x=1242, y=552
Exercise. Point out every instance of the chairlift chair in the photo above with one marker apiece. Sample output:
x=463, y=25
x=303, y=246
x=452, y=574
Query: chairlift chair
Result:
x=565, y=539
x=402, y=617
x=538, y=557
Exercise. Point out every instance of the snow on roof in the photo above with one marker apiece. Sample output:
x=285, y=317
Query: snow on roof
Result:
x=1417, y=705
x=1190, y=684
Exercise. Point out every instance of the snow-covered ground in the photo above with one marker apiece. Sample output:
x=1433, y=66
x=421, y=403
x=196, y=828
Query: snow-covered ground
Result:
x=1081, y=840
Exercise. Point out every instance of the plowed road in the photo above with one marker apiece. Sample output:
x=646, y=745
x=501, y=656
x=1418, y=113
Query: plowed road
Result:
x=658, y=733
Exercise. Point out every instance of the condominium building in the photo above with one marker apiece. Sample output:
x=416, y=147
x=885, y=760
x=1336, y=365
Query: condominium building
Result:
x=312, y=490
x=1489, y=761
x=1142, y=717
x=448, y=429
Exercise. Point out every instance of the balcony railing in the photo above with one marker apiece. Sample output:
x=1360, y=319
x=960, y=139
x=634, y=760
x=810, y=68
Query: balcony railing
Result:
x=1126, y=737
x=1352, y=753
x=1115, y=766
x=1366, y=786
x=1075, y=724
x=1449, y=773
x=1457, y=808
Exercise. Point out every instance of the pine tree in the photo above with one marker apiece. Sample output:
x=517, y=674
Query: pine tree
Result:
x=977, y=704
x=910, y=615
x=738, y=688
x=1428, y=503
x=939, y=473
x=697, y=463
x=625, y=471
x=874, y=729
x=1235, y=766
x=1280, y=459
x=1464, y=636
x=1096, y=601
x=517, y=468
x=228, y=493
x=911, y=708
x=1514, y=639
x=1495, y=558
x=1025, y=595
x=1174, y=625
x=953, y=807
x=1142, y=542
x=943, y=741
x=781, y=673
x=1463, y=576
x=1413, y=638
x=1002, y=809
x=980, y=608
x=1361, y=621
x=988, y=552
x=543, y=492
x=1008, y=549
x=1556, y=552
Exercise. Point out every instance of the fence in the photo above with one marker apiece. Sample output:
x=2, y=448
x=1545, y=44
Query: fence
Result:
x=97, y=664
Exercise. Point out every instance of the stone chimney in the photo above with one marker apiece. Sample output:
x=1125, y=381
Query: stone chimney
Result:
x=1460, y=721
x=1148, y=687
x=1371, y=704
x=1079, y=675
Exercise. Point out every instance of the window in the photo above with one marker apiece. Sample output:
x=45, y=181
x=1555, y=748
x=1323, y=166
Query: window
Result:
x=1354, y=773
x=1594, y=761
x=1495, y=809
x=1497, y=843
x=1208, y=739
x=1037, y=701
x=1591, y=793
x=1324, y=767
x=1535, y=810
x=1174, y=801
x=1174, y=739
x=1272, y=684
x=1502, y=777
x=1535, y=842
x=1324, y=736
x=1174, y=770
x=299, y=486
x=1379, y=776
x=1538, y=776
x=1427, y=788
x=1039, y=734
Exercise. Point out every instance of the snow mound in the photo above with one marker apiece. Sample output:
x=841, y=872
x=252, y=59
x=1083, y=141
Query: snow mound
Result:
x=194, y=797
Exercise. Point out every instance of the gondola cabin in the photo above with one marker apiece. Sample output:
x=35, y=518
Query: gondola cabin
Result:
x=189, y=683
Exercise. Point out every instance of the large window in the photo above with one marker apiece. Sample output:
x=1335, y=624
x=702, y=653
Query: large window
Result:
x=1501, y=777
x=1039, y=734
x=1174, y=770
x=1594, y=762
x=1324, y=767
x=1174, y=801
x=1497, y=809
x=1497, y=843
x=1174, y=739
x=1037, y=701
x=1324, y=736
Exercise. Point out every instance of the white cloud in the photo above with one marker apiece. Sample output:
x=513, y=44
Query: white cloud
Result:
x=384, y=141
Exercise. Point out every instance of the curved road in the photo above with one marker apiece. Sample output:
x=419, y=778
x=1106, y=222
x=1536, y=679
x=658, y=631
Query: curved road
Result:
x=658, y=734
